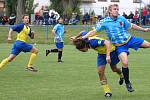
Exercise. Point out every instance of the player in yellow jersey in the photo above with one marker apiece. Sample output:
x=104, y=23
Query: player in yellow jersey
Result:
x=106, y=54
x=21, y=45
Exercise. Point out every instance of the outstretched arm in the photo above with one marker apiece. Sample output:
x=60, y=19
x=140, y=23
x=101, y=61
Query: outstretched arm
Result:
x=108, y=46
x=136, y=27
x=76, y=37
x=90, y=33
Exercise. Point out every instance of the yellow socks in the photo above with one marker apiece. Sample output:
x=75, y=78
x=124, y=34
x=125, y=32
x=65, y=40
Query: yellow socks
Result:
x=105, y=86
x=32, y=58
x=3, y=63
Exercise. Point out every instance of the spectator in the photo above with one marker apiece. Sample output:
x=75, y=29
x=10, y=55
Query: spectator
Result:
x=136, y=18
x=125, y=15
x=12, y=19
x=148, y=18
x=1, y=20
x=74, y=19
x=4, y=20
x=46, y=17
x=86, y=18
x=130, y=17
x=144, y=14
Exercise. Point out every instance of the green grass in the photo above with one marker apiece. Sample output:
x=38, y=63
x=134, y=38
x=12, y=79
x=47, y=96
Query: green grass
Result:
x=43, y=38
x=75, y=79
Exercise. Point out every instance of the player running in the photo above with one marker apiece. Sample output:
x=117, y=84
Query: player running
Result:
x=21, y=45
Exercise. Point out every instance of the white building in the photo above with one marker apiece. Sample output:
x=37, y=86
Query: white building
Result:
x=100, y=6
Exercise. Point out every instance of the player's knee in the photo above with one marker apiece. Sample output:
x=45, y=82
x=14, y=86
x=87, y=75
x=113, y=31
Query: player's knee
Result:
x=10, y=60
x=36, y=52
x=125, y=63
x=148, y=45
x=114, y=69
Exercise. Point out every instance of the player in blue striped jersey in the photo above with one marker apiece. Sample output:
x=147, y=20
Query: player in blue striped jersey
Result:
x=116, y=27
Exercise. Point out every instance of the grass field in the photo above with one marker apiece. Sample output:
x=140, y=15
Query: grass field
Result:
x=74, y=79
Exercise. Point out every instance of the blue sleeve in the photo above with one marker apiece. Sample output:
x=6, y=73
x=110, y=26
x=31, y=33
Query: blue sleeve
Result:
x=127, y=24
x=83, y=33
x=18, y=27
x=95, y=43
x=100, y=25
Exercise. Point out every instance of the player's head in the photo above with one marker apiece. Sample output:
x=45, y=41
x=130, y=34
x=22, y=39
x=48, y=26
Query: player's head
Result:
x=113, y=10
x=25, y=19
x=81, y=45
x=61, y=20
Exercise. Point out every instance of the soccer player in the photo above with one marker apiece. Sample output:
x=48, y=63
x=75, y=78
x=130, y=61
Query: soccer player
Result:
x=106, y=54
x=21, y=45
x=58, y=32
x=116, y=27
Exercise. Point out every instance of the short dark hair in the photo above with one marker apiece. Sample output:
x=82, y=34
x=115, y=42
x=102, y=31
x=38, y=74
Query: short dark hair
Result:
x=79, y=43
x=24, y=16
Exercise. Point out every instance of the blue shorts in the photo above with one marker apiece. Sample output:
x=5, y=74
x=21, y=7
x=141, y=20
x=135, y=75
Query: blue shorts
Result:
x=101, y=59
x=59, y=45
x=134, y=43
x=20, y=46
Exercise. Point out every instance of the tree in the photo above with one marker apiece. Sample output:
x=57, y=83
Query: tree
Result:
x=20, y=9
x=66, y=6
x=11, y=7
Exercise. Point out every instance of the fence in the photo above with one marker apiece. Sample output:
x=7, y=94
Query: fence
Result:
x=44, y=35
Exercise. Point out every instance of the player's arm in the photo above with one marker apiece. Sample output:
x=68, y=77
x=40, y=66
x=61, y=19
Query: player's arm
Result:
x=32, y=35
x=108, y=47
x=76, y=37
x=90, y=33
x=10, y=34
x=53, y=32
x=136, y=27
x=16, y=28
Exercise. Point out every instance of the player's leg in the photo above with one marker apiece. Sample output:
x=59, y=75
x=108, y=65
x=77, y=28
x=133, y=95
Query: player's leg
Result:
x=101, y=63
x=118, y=71
x=60, y=51
x=145, y=44
x=114, y=61
x=125, y=70
x=34, y=52
x=48, y=51
x=103, y=81
x=7, y=60
x=14, y=52
x=60, y=46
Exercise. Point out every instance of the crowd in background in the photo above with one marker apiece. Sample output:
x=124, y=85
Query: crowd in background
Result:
x=135, y=17
x=46, y=17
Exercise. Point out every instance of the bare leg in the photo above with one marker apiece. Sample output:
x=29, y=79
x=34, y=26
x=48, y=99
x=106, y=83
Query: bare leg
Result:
x=124, y=59
x=103, y=80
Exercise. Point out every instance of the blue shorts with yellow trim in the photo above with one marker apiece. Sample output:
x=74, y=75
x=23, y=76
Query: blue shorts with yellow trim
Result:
x=134, y=43
x=101, y=59
x=20, y=46
x=59, y=45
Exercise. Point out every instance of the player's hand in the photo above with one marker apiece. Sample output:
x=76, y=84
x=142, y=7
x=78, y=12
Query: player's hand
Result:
x=9, y=38
x=108, y=59
x=146, y=29
x=72, y=38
